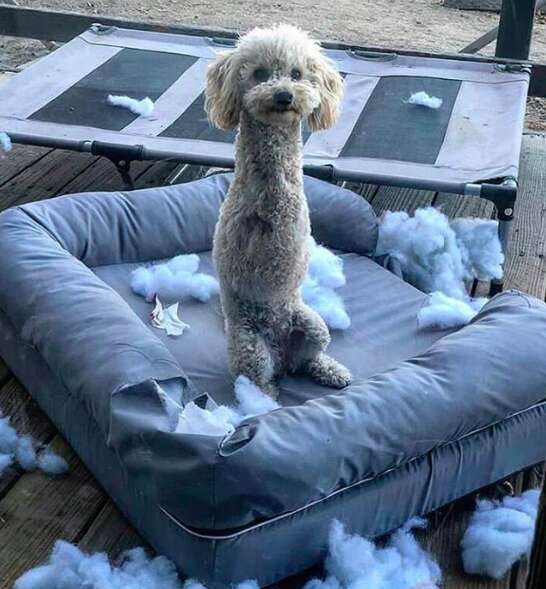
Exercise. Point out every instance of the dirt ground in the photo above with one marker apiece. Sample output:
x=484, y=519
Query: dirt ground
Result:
x=406, y=24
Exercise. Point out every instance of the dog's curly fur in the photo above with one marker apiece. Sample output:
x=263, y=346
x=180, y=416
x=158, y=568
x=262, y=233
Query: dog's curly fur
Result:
x=261, y=239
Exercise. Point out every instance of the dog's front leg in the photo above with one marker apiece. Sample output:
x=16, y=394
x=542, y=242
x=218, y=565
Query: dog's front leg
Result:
x=250, y=355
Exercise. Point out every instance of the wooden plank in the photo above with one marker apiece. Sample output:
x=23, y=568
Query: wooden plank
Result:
x=533, y=479
x=160, y=174
x=526, y=260
x=455, y=205
x=110, y=532
x=39, y=509
x=45, y=179
x=537, y=569
x=155, y=175
x=17, y=404
x=368, y=191
x=391, y=198
x=19, y=159
x=27, y=418
x=101, y=175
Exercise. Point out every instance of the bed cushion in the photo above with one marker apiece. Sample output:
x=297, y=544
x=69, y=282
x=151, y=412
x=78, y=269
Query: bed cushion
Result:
x=375, y=341
x=430, y=416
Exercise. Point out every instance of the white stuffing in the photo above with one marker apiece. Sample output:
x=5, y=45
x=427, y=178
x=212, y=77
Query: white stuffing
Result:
x=480, y=247
x=426, y=247
x=71, y=568
x=353, y=562
x=324, y=266
x=499, y=534
x=193, y=584
x=327, y=303
x=51, y=463
x=249, y=584
x=28, y=453
x=6, y=460
x=178, y=278
x=8, y=436
x=437, y=257
x=221, y=420
x=174, y=280
x=446, y=312
x=144, y=107
x=167, y=319
x=5, y=141
x=423, y=99
x=213, y=420
x=25, y=453
x=252, y=401
x=325, y=274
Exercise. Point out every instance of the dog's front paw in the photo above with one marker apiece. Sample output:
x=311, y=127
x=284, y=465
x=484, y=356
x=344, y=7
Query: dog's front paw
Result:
x=329, y=372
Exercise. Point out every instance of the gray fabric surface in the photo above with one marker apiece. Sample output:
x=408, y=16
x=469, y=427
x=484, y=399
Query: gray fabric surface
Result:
x=429, y=418
x=150, y=224
x=375, y=341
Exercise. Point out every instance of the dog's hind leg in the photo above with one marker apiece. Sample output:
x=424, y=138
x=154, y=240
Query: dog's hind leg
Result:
x=308, y=340
x=250, y=355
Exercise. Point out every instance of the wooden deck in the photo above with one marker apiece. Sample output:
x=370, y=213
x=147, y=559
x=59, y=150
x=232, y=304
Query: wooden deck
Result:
x=36, y=510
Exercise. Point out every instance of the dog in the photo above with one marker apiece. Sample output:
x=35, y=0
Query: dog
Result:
x=273, y=80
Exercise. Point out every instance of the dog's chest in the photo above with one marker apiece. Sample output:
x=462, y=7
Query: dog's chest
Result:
x=263, y=254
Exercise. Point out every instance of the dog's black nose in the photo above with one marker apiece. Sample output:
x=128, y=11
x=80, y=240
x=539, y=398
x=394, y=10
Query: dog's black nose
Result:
x=283, y=98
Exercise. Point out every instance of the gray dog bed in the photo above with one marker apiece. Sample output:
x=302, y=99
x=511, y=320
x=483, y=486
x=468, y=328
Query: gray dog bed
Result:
x=430, y=417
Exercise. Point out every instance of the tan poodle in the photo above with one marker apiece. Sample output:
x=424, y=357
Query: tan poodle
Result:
x=273, y=80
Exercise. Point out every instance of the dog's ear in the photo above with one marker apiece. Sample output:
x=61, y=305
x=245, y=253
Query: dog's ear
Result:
x=222, y=100
x=330, y=86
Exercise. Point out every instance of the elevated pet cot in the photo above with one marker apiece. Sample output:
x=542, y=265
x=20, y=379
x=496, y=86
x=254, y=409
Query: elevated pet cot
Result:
x=470, y=145
x=430, y=416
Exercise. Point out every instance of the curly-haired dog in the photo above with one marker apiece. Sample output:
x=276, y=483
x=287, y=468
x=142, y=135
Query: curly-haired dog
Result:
x=273, y=80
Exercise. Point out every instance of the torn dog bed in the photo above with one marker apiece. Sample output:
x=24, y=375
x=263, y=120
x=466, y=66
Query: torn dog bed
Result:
x=430, y=416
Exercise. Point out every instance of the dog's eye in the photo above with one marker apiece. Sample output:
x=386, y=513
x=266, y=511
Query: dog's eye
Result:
x=295, y=74
x=261, y=74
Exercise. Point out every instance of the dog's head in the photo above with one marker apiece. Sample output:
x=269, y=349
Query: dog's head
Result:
x=278, y=76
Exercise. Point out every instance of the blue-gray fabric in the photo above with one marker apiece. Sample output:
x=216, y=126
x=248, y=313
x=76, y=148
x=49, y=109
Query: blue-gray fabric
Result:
x=430, y=417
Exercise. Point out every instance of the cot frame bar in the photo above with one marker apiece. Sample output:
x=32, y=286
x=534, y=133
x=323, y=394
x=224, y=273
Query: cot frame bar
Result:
x=501, y=193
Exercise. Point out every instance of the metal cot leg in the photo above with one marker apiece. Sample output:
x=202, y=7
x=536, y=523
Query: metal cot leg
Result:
x=504, y=235
x=503, y=197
